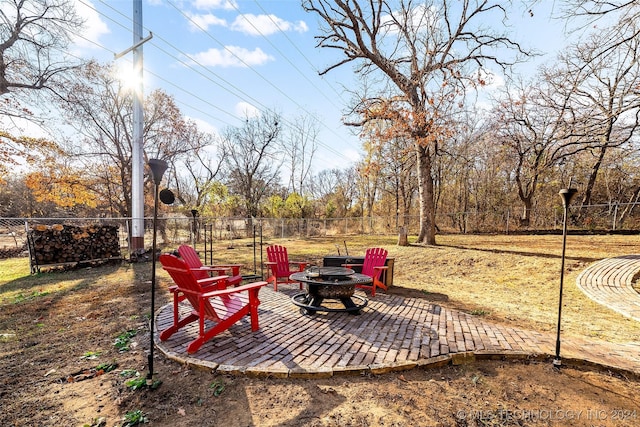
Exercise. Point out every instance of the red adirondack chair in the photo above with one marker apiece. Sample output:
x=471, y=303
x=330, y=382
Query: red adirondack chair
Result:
x=221, y=305
x=373, y=266
x=280, y=266
x=191, y=257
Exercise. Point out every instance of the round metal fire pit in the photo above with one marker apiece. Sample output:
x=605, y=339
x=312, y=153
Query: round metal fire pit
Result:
x=335, y=283
x=334, y=290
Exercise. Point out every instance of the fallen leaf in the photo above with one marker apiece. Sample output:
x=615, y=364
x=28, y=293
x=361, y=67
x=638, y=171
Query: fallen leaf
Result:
x=182, y=412
x=402, y=378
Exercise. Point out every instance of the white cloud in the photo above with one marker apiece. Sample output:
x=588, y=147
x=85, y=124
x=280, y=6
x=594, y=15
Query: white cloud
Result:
x=264, y=25
x=352, y=155
x=215, y=4
x=203, y=22
x=94, y=27
x=246, y=110
x=232, y=56
x=204, y=126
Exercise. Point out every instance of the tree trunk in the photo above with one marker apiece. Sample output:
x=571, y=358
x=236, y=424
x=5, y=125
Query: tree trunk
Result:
x=402, y=236
x=525, y=219
x=427, y=234
x=586, y=199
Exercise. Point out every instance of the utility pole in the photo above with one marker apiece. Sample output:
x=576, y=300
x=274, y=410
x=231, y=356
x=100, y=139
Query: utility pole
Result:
x=137, y=152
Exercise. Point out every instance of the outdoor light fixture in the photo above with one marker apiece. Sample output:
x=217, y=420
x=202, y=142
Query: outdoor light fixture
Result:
x=158, y=168
x=566, y=194
x=194, y=213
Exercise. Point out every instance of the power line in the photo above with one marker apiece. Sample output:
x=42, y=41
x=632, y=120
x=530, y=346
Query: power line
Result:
x=258, y=74
x=295, y=46
x=227, y=86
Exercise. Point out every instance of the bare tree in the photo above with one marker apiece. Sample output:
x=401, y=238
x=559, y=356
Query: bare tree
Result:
x=534, y=132
x=34, y=35
x=335, y=191
x=300, y=145
x=253, y=163
x=99, y=108
x=199, y=171
x=417, y=45
x=603, y=91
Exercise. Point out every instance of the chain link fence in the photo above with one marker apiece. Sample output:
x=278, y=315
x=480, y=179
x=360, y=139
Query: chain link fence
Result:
x=622, y=217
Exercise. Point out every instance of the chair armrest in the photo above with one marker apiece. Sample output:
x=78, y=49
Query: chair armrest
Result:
x=301, y=265
x=382, y=267
x=235, y=268
x=238, y=289
x=214, y=281
x=352, y=265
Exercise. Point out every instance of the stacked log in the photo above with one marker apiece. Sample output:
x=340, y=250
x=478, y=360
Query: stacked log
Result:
x=12, y=252
x=62, y=244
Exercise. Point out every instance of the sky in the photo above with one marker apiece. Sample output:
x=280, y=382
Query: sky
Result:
x=225, y=59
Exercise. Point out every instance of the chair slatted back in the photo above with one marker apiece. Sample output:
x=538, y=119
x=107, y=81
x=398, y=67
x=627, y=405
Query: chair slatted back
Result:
x=184, y=279
x=192, y=259
x=374, y=257
x=278, y=254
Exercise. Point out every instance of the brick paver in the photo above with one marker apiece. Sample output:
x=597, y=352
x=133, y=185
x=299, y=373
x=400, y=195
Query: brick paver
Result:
x=609, y=282
x=392, y=333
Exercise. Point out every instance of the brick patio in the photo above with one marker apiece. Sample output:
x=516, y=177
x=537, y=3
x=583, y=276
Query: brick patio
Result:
x=392, y=333
x=610, y=282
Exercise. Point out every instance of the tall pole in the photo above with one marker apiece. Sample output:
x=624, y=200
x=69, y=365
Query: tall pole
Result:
x=137, y=156
x=566, y=194
x=158, y=167
x=194, y=213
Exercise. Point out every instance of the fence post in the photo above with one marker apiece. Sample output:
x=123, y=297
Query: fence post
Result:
x=615, y=216
x=508, y=214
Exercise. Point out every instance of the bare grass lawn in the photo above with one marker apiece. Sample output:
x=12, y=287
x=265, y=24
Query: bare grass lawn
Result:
x=58, y=325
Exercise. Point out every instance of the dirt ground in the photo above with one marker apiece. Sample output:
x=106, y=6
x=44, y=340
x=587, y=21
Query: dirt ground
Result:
x=49, y=345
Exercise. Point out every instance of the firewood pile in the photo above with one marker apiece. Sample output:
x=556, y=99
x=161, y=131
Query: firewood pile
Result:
x=12, y=252
x=64, y=244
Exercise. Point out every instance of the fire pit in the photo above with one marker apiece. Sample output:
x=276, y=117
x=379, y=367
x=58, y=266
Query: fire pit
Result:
x=330, y=283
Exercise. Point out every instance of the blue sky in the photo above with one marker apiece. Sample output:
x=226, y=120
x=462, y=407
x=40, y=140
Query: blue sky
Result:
x=223, y=59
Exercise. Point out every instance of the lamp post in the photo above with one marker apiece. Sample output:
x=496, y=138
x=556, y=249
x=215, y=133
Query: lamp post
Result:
x=194, y=212
x=566, y=194
x=158, y=167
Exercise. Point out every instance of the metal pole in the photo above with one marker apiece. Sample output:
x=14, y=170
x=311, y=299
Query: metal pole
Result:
x=158, y=167
x=137, y=157
x=194, y=212
x=255, y=267
x=261, y=260
x=566, y=194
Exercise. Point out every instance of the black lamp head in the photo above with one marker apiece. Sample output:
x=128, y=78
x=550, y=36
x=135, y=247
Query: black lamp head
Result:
x=194, y=212
x=158, y=167
x=167, y=197
x=567, y=194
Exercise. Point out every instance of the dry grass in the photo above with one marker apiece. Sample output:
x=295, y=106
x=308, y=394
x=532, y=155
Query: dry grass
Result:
x=509, y=279
x=50, y=321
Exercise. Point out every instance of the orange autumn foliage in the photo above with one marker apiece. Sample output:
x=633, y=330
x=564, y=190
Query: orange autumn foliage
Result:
x=61, y=185
x=14, y=147
x=402, y=121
